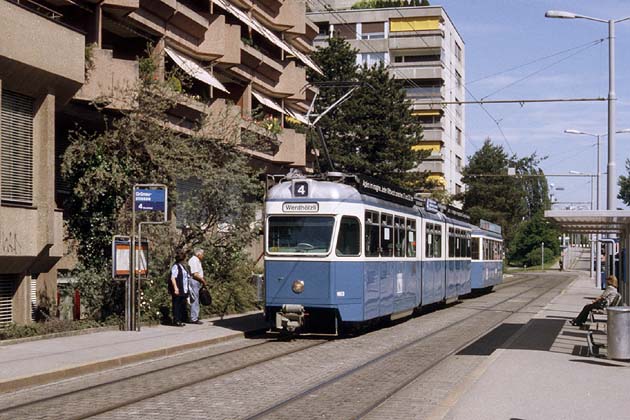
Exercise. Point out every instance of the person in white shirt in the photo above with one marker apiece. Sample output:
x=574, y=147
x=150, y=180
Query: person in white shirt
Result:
x=603, y=301
x=196, y=282
x=178, y=288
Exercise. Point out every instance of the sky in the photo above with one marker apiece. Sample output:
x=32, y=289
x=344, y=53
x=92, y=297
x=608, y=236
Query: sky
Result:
x=514, y=52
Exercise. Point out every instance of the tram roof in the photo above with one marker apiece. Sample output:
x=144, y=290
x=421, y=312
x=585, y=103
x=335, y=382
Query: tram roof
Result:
x=591, y=221
x=477, y=231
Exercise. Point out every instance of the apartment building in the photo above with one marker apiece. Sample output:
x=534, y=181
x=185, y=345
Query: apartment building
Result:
x=422, y=47
x=58, y=56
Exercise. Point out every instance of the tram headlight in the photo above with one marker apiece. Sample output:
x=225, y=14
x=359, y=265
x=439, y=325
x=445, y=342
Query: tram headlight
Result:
x=298, y=286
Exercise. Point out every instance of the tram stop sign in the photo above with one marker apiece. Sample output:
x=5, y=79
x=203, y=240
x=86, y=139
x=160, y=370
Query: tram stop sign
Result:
x=150, y=199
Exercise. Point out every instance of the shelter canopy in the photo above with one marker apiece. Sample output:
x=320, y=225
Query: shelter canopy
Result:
x=591, y=221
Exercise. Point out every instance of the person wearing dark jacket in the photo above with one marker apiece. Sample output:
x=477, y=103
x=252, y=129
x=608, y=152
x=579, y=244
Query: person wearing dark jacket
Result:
x=604, y=300
x=178, y=289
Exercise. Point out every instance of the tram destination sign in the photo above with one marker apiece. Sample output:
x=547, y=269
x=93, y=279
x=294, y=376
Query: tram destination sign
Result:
x=300, y=207
x=380, y=189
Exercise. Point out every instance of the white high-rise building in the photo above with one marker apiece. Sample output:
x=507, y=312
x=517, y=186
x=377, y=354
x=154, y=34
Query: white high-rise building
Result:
x=422, y=47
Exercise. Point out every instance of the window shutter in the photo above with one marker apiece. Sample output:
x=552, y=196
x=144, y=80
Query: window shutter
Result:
x=16, y=149
x=6, y=300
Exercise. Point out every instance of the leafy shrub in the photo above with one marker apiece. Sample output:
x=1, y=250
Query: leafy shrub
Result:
x=13, y=331
x=533, y=257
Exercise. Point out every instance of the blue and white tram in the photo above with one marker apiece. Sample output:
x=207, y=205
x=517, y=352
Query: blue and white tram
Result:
x=487, y=257
x=334, y=254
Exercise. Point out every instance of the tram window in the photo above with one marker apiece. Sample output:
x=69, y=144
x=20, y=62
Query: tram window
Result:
x=300, y=234
x=371, y=233
x=349, y=238
x=387, y=235
x=433, y=241
x=399, y=236
x=437, y=242
x=468, y=244
x=475, y=248
x=451, y=242
x=411, y=238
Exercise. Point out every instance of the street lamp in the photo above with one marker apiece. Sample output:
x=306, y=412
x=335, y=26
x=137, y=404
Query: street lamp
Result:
x=610, y=184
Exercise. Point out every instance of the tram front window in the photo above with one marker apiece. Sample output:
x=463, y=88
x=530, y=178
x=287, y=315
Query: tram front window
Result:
x=300, y=234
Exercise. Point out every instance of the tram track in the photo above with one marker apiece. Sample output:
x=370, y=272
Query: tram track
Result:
x=395, y=370
x=118, y=394
x=88, y=401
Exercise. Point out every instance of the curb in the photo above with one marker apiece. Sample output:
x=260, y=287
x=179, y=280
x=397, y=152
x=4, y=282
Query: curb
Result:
x=70, y=372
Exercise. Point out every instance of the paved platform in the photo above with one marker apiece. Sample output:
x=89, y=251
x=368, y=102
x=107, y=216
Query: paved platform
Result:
x=544, y=372
x=37, y=362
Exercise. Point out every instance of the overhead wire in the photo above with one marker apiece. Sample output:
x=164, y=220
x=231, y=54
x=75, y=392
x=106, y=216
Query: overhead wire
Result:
x=520, y=66
x=540, y=70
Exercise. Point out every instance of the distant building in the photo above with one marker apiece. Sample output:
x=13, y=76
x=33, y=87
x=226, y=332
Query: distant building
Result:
x=422, y=47
x=56, y=57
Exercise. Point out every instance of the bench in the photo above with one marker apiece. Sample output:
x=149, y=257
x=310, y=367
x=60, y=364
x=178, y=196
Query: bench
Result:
x=615, y=302
x=593, y=347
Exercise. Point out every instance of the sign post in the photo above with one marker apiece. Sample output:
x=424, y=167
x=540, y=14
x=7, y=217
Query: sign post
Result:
x=146, y=197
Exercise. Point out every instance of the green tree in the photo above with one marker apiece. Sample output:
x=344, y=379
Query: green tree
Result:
x=529, y=237
x=495, y=196
x=373, y=131
x=139, y=146
x=624, y=186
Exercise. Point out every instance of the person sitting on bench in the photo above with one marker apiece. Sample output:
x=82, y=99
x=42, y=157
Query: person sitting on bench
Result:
x=604, y=300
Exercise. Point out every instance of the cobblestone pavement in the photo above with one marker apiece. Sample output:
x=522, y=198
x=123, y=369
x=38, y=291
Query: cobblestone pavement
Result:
x=100, y=392
x=242, y=393
x=250, y=391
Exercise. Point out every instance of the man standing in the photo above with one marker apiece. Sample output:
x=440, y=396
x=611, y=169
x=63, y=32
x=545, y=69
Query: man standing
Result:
x=195, y=284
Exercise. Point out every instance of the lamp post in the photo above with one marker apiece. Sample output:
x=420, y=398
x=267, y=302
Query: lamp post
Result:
x=612, y=98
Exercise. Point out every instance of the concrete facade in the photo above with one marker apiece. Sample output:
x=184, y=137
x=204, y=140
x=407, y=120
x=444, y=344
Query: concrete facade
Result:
x=31, y=226
x=422, y=47
x=60, y=56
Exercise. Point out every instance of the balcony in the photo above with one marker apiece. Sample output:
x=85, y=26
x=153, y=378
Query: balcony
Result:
x=44, y=55
x=32, y=239
x=292, y=80
x=433, y=164
x=292, y=148
x=108, y=76
x=410, y=71
x=287, y=148
x=411, y=40
x=433, y=135
x=120, y=7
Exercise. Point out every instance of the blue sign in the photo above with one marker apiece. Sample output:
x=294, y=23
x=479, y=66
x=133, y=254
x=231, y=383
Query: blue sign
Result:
x=150, y=200
x=431, y=206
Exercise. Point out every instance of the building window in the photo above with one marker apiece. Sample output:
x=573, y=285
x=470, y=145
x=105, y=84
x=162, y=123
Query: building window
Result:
x=6, y=299
x=324, y=29
x=458, y=51
x=458, y=79
x=346, y=31
x=458, y=161
x=458, y=189
x=416, y=58
x=458, y=134
x=16, y=133
x=374, y=30
x=371, y=59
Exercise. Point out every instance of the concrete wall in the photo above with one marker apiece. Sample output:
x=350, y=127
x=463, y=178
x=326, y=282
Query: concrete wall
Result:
x=44, y=60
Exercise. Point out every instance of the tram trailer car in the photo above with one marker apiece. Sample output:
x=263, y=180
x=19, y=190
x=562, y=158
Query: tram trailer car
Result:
x=487, y=257
x=337, y=256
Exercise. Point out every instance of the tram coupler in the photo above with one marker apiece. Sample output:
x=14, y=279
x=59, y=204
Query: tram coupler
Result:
x=290, y=317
